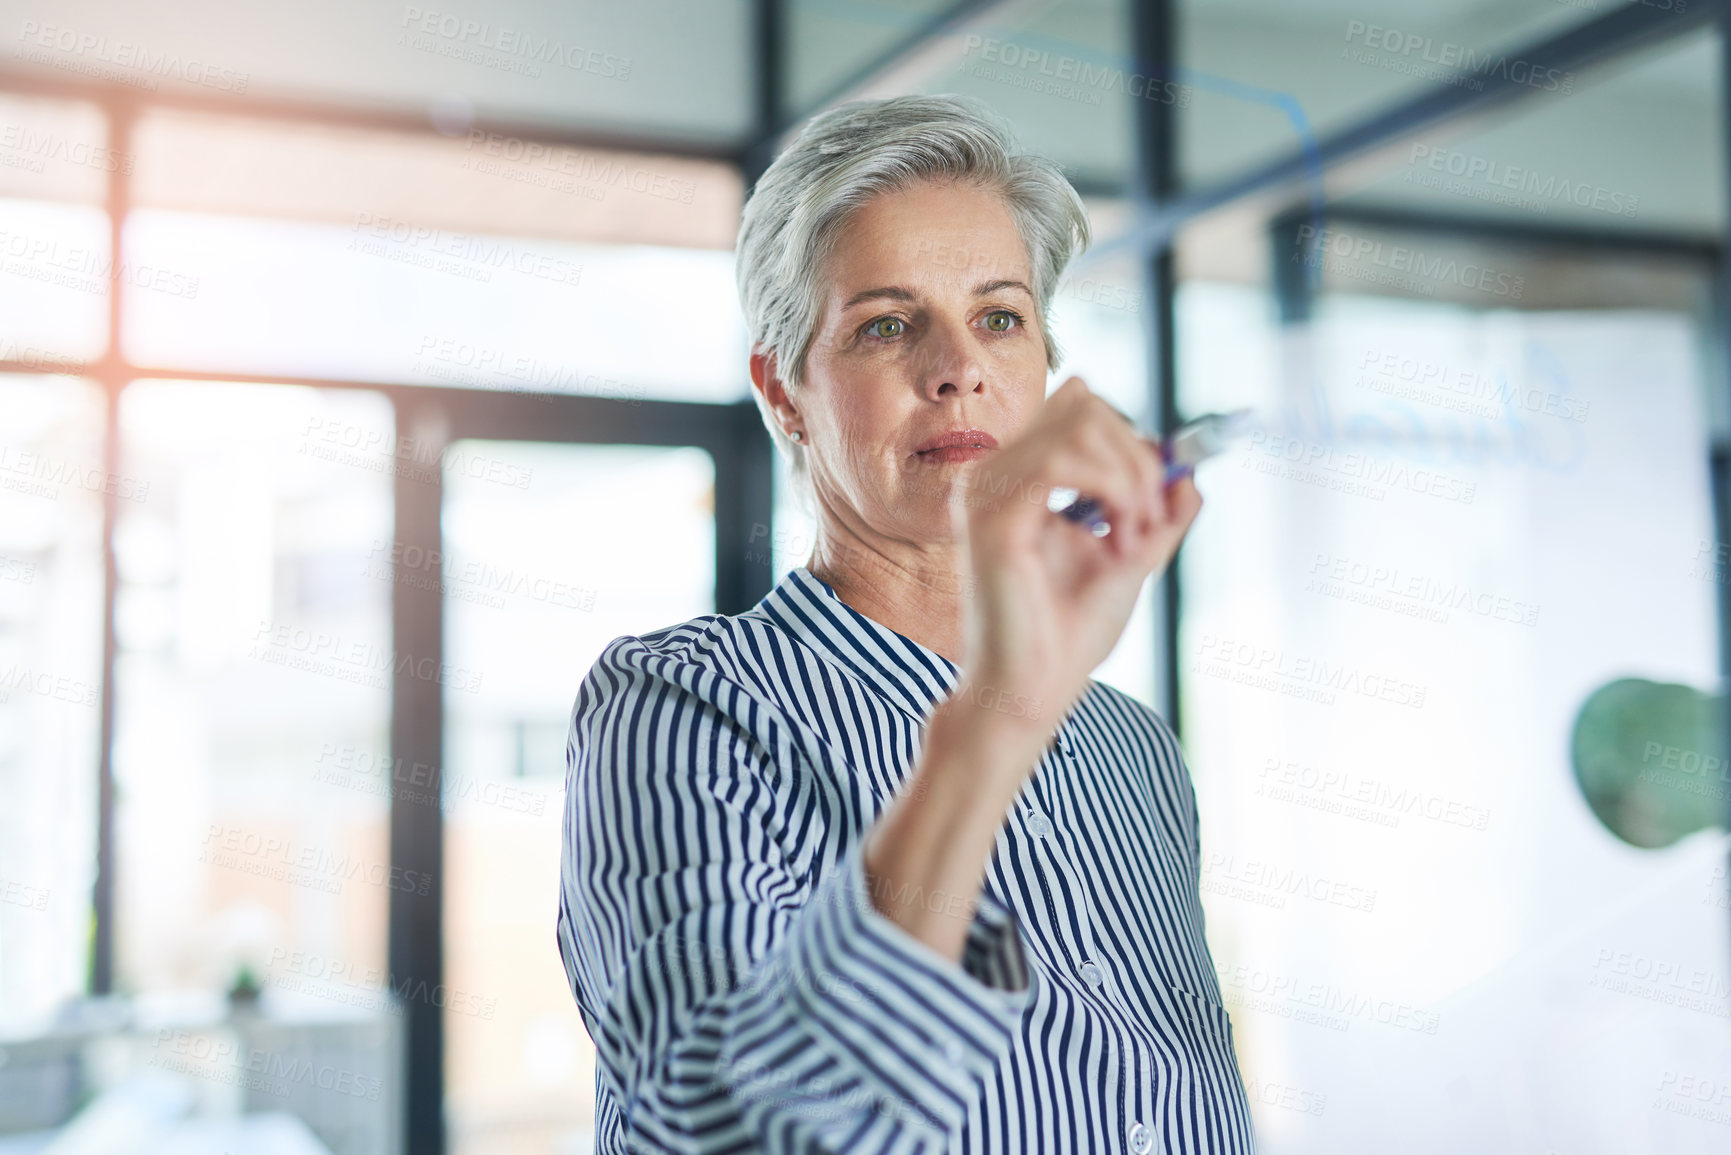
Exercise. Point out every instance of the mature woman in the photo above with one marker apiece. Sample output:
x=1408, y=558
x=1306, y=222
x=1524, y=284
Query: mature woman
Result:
x=875, y=866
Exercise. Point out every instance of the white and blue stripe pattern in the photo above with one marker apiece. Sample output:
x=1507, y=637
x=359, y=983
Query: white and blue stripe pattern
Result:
x=743, y=993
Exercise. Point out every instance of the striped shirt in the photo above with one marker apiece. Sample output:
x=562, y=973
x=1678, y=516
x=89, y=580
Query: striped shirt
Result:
x=744, y=994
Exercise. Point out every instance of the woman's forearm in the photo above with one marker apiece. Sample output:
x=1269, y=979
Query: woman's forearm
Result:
x=925, y=859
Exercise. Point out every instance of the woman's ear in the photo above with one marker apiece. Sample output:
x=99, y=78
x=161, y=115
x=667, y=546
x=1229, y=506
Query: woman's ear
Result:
x=766, y=379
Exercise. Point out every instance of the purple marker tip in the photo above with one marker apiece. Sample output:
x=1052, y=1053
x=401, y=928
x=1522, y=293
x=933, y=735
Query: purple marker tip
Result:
x=1192, y=442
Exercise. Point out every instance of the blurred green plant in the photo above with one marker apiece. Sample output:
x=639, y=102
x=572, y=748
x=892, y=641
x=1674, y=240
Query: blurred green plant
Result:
x=1650, y=760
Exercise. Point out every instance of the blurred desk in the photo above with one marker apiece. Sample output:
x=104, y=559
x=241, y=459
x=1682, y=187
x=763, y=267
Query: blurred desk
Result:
x=291, y=1071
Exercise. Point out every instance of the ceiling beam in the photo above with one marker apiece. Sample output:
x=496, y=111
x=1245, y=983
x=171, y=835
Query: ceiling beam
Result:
x=898, y=69
x=1624, y=29
x=402, y=118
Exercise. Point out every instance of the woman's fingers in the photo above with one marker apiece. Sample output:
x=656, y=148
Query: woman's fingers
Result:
x=1183, y=503
x=1080, y=442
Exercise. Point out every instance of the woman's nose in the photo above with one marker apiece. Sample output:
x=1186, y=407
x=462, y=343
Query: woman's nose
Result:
x=952, y=364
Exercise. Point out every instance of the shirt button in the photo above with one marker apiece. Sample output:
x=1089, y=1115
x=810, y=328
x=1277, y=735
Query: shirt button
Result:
x=1091, y=974
x=953, y=1052
x=1141, y=1139
x=1041, y=826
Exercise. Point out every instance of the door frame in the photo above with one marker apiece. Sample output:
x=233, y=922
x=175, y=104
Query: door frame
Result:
x=434, y=418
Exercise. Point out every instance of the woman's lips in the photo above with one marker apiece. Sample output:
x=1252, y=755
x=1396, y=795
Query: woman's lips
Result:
x=957, y=446
x=954, y=452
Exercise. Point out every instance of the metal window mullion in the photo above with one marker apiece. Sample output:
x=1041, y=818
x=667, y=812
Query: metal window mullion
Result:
x=111, y=376
x=415, y=927
x=1154, y=53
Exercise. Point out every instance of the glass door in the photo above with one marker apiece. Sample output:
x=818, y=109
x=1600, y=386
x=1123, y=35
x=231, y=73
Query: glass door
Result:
x=550, y=551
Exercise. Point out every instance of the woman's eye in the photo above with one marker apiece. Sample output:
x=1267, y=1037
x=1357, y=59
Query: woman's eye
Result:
x=1000, y=321
x=885, y=327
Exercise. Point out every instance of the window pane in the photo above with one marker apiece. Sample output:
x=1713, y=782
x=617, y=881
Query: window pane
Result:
x=678, y=67
x=1265, y=79
x=829, y=40
x=1062, y=73
x=1593, y=161
x=475, y=181
x=55, y=150
x=1098, y=317
x=1456, y=526
x=51, y=487
x=54, y=277
x=383, y=300
x=528, y=610
x=251, y=761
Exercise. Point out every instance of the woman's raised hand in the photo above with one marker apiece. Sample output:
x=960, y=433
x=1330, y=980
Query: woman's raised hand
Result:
x=1051, y=599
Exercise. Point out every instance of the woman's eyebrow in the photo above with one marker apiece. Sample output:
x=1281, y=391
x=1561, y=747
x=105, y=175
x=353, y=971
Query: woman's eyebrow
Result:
x=993, y=286
x=892, y=292
x=906, y=296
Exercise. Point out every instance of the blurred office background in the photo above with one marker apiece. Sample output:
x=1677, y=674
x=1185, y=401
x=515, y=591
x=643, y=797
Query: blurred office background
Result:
x=425, y=378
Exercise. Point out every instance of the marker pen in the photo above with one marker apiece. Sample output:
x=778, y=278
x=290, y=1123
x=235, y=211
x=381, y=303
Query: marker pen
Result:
x=1190, y=443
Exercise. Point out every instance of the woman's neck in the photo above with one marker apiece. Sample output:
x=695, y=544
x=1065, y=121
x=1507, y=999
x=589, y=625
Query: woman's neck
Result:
x=915, y=592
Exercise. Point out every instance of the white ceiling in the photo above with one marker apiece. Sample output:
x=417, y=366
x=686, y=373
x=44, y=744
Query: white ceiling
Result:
x=687, y=72
x=1260, y=74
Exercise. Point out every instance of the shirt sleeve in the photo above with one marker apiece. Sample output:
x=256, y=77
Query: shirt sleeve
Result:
x=735, y=989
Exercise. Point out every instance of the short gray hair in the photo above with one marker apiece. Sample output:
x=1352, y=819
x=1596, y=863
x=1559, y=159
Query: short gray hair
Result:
x=841, y=160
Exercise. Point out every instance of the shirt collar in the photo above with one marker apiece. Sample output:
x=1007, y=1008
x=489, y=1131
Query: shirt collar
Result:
x=910, y=675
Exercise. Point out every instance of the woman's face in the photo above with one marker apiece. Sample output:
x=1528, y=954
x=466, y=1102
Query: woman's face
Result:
x=928, y=354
